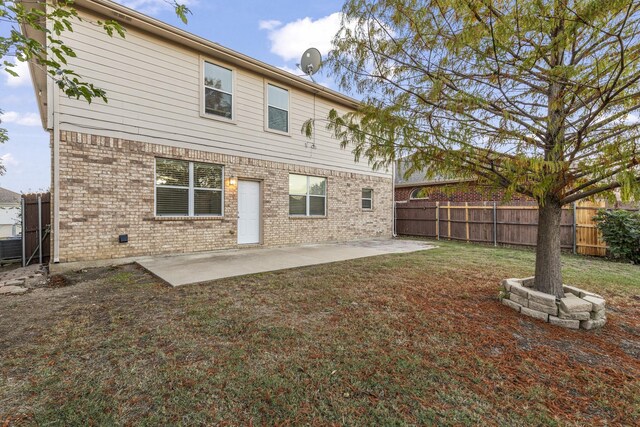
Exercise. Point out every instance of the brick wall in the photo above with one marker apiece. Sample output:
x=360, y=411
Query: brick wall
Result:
x=452, y=193
x=107, y=189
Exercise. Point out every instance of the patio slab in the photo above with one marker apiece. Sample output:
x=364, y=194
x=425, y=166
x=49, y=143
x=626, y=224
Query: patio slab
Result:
x=184, y=269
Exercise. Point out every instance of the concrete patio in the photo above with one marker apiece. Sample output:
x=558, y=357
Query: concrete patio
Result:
x=186, y=269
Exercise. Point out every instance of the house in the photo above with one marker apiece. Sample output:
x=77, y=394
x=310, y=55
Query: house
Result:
x=9, y=213
x=417, y=188
x=198, y=148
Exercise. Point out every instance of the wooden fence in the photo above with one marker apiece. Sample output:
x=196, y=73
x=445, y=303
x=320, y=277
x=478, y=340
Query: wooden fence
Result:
x=494, y=223
x=36, y=220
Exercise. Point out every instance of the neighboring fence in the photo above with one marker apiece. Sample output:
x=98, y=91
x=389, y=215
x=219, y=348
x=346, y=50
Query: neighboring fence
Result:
x=36, y=220
x=10, y=248
x=488, y=222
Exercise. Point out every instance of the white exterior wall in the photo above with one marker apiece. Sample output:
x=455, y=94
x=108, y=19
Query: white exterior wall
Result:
x=9, y=220
x=154, y=88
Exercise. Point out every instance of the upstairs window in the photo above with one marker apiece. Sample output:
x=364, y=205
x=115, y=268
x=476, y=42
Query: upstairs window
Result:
x=307, y=195
x=367, y=198
x=218, y=90
x=188, y=188
x=277, y=108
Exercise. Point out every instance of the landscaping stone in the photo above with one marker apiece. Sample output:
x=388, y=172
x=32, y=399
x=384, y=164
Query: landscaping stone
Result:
x=581, y=315
x=566, y=323
x=578, y=309
x=542, y=298
x=519, y=300
x=16, y=290
x=592, y=324
x=543, y=308
x=14, y=282
x=528, y=282
x=535, y=314
x=512, y=304
x=519, y=290
x=574, y=304
x=598, y=303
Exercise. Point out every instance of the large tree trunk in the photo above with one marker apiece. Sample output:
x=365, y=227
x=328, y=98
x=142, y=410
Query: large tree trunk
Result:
x=548, y=264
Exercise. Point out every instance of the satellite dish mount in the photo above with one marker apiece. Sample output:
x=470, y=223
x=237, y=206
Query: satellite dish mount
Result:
x=311, y=62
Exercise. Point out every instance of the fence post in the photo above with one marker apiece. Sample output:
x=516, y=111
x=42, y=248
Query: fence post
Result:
x=449, y=220
x=466, y=218
x=24, y=230
x=495, y=224
x=40, y=228
x=437, y=220
x=575, y=227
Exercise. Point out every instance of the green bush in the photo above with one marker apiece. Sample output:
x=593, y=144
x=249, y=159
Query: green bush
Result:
x=621, y=230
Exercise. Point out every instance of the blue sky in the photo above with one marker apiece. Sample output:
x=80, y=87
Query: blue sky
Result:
x=276, y=32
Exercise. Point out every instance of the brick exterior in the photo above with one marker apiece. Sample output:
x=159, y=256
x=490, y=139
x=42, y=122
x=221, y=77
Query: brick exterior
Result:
x=453, y=193
x=106, y=189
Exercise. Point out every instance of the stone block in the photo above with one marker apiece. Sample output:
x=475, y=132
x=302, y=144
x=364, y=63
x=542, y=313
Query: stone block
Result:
x=593, y=324
x=598, y=303
x=565, y=323
x=597, y=315
x=572, y=304
x=512, y=304
x=519, y=300
x=507, y=283
x=543, y=308
x=528, y=282
x=572, y=290
x=542, y=298
x=519, y=290
x=16, y=290
x=581, y=315
x=14, y=282
x=535, y=314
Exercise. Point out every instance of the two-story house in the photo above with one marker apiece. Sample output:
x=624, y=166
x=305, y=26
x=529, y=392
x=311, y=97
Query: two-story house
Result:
x=198, y=148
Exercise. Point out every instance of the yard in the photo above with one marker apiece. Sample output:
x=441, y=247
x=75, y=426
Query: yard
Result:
x=401, y=339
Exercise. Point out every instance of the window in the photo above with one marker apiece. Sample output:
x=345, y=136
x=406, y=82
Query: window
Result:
x=188, y=188
x=277, y=108
x=307, y=195
x=218, y=90
x=367, y=198
x=420, y=193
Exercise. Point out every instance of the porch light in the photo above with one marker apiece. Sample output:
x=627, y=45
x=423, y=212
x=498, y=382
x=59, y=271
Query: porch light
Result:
x=233, y=181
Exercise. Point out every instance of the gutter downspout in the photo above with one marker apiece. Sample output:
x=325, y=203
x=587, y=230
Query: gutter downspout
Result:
x=393, y=200
x=56, y=175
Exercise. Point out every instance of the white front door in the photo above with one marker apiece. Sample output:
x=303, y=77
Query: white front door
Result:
x=248, y=212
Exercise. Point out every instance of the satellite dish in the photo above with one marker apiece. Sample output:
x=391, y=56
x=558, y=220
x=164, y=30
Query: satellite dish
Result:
x=311, y=61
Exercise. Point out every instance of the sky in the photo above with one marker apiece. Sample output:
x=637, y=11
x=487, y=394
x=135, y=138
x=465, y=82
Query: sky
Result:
x=276, y=32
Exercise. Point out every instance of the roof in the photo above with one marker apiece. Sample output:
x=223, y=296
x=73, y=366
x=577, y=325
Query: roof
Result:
x=418, y=178
x=133, y=19
x=8, y=196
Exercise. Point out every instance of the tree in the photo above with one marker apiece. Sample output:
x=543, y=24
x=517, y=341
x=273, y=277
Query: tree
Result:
x=537, y=97
x=53, y=55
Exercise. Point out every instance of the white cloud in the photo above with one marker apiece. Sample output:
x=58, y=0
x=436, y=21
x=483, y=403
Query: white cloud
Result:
x=271, y=24
x=295, y=71
x=23, y=79
x=8, y=160
x=290, y=40
x=22, y=119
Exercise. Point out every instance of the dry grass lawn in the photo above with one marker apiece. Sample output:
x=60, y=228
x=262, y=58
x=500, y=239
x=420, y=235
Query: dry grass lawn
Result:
x=401, y=339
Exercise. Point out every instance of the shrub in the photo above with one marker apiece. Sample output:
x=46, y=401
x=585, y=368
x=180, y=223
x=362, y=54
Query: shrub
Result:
x=621, y=230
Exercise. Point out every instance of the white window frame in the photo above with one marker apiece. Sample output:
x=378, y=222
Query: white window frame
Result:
x=308, y=196
x=191, y=192
x=201, y=88
x=362, y=199
x=268, y=83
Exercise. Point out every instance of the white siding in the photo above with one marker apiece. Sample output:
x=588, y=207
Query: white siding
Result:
x=154, y=95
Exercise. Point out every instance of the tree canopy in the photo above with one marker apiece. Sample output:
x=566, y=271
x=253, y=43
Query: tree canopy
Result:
x=538, y=97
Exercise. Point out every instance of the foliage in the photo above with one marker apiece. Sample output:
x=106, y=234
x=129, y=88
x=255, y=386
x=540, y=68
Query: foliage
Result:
x=537, y=97
x=621, y=230
x=53, y=19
